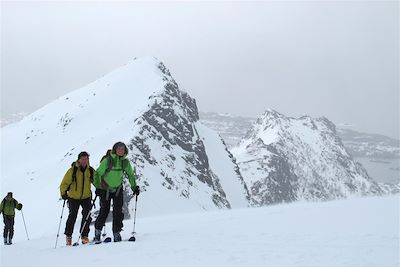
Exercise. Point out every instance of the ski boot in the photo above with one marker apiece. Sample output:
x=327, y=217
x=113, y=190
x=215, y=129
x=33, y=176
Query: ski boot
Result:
x=85, y=240
x=117, y=237
x=69, y=241
x=97, y=234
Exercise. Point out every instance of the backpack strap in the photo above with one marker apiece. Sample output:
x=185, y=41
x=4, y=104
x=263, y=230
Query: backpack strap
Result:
x=74, y=176
x=91, y=170
x=124, y=163
x=110, y=162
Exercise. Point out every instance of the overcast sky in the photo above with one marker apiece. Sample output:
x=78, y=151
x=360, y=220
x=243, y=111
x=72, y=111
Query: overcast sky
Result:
x=334, y=59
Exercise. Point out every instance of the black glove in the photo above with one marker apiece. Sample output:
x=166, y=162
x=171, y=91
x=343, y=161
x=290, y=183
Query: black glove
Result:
x=19, y=206
x=64, y=196
x=136, y=190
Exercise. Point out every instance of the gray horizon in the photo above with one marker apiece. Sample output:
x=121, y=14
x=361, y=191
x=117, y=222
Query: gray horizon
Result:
x=334, y=59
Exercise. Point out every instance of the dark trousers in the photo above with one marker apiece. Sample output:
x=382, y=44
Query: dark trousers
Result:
x=73, y=205
x=8, y=226
x=118, y=215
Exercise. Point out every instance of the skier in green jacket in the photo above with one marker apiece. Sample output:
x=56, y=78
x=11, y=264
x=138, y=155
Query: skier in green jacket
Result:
x=108, y=182
x=7, y=207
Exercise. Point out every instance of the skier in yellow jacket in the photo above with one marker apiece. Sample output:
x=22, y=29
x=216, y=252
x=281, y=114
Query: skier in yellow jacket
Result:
x=75, y=188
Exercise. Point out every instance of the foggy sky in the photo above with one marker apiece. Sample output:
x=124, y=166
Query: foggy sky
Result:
x=333, y=59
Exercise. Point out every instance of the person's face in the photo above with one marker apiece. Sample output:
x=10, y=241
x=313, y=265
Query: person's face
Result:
x=120, y=151
x=83, y=161
x=9, y=196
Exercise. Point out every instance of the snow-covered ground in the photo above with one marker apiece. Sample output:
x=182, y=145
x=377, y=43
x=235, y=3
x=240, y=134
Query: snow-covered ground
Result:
x=140, y=104
x=354, y=232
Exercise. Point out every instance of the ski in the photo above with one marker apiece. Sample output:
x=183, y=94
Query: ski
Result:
x=105, y=240
x=109, y=240
x=93, y=242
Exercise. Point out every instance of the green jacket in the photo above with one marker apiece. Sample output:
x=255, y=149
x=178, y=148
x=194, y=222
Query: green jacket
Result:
x=79, y=188
x=7, y=207
x=115, y=177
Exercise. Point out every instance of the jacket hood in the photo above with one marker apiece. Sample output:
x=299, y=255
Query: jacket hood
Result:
x=77, y=164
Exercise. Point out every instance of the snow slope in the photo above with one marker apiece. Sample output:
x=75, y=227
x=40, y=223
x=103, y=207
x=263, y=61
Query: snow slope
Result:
x=140, y=104
x=354, y=232
x=224, y=165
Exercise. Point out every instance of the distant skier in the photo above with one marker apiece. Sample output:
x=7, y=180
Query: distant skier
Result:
x=7, y=207
x=108, y=182
x=75, y=187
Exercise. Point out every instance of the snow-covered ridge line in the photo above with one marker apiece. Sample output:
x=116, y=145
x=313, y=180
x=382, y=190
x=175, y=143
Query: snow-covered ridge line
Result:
x=284, y=159
x=359, y=144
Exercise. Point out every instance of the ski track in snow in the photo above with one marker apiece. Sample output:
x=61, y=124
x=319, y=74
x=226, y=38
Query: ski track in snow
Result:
x=354, y=232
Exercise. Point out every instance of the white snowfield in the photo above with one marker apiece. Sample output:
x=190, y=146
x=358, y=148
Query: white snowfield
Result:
x=354, y=232
x=92, y=119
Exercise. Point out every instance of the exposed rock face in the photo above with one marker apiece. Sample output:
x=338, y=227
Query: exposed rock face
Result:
x=284, y=159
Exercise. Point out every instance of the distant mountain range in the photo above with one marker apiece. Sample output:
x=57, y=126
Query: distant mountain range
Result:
x=233, y=128
x=284, y=159
x=15, y=117
x=379, y=154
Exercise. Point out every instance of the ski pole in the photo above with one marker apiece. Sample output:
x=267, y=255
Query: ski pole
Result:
x=134, y=221
x=134, y=216
x=26, y=231
x=86, y=220
x=62, y=212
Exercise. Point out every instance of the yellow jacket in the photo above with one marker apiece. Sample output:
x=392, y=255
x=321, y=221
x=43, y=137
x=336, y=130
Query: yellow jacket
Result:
x=78, y=188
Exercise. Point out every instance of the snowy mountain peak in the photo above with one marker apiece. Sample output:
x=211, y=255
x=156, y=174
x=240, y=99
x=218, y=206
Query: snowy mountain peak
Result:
x=181, y=164
x=145, y=64
x=271, y=113
x=285, y=159
x=270, y=117
x=272, y=124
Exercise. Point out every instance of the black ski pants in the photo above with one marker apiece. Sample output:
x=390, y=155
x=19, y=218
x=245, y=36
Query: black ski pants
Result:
x=73, y=205
x=8, y=226
x=105, y=203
